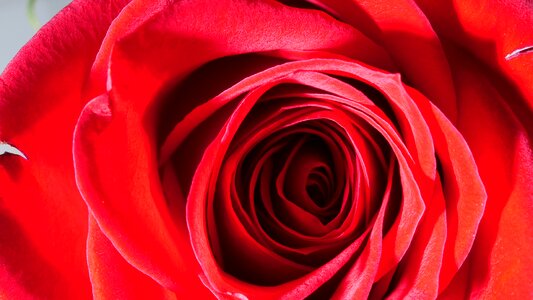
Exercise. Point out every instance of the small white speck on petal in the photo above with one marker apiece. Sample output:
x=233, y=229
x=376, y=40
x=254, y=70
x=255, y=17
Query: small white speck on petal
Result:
x=7, y=148
x=517, y=52
x=238, y=296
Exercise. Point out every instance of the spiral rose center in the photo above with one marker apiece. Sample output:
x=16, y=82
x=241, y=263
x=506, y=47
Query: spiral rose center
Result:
x=295, y=181
x=295, y=172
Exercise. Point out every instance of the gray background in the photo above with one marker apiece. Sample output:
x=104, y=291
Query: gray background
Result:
x=15, y=27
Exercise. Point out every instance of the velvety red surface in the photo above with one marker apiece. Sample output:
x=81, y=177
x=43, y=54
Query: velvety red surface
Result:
x=343, y=149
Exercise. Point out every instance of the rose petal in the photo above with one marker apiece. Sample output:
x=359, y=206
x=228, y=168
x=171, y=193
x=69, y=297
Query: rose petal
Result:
x=502, y=150
x=489, y=30
x=463, y=189
x=112, y=277
x=403, y=29
x=225, y=28
x=357, y=283
x=42, y=211
x=115, y=163
x=419, y=271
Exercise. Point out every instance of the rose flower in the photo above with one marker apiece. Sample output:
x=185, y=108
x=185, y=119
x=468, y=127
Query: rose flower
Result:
x=245, y=149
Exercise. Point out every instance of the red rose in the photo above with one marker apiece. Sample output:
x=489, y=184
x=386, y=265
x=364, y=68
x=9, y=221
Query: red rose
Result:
x=263, y=150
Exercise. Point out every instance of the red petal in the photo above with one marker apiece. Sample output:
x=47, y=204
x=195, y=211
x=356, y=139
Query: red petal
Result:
x=44, y=219
x=405, y=32
x=117, y=174
x=112, y=277
x=419, y=271
x=490, y=30
x=501, y=256
x=209, y=30
x=357, y=283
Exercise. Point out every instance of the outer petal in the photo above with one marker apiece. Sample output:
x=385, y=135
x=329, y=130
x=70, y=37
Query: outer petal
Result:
x=490, y=30
x=41, y=210
x=405, y=32
x=500, y=260
x=224, y=29
x=129, y=206
x=112, y=277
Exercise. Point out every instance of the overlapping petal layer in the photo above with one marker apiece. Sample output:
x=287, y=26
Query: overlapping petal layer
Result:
x=392, y=152
x=262, y=149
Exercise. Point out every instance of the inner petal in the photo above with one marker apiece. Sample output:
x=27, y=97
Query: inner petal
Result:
x=318, y=185
x=308, y=179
